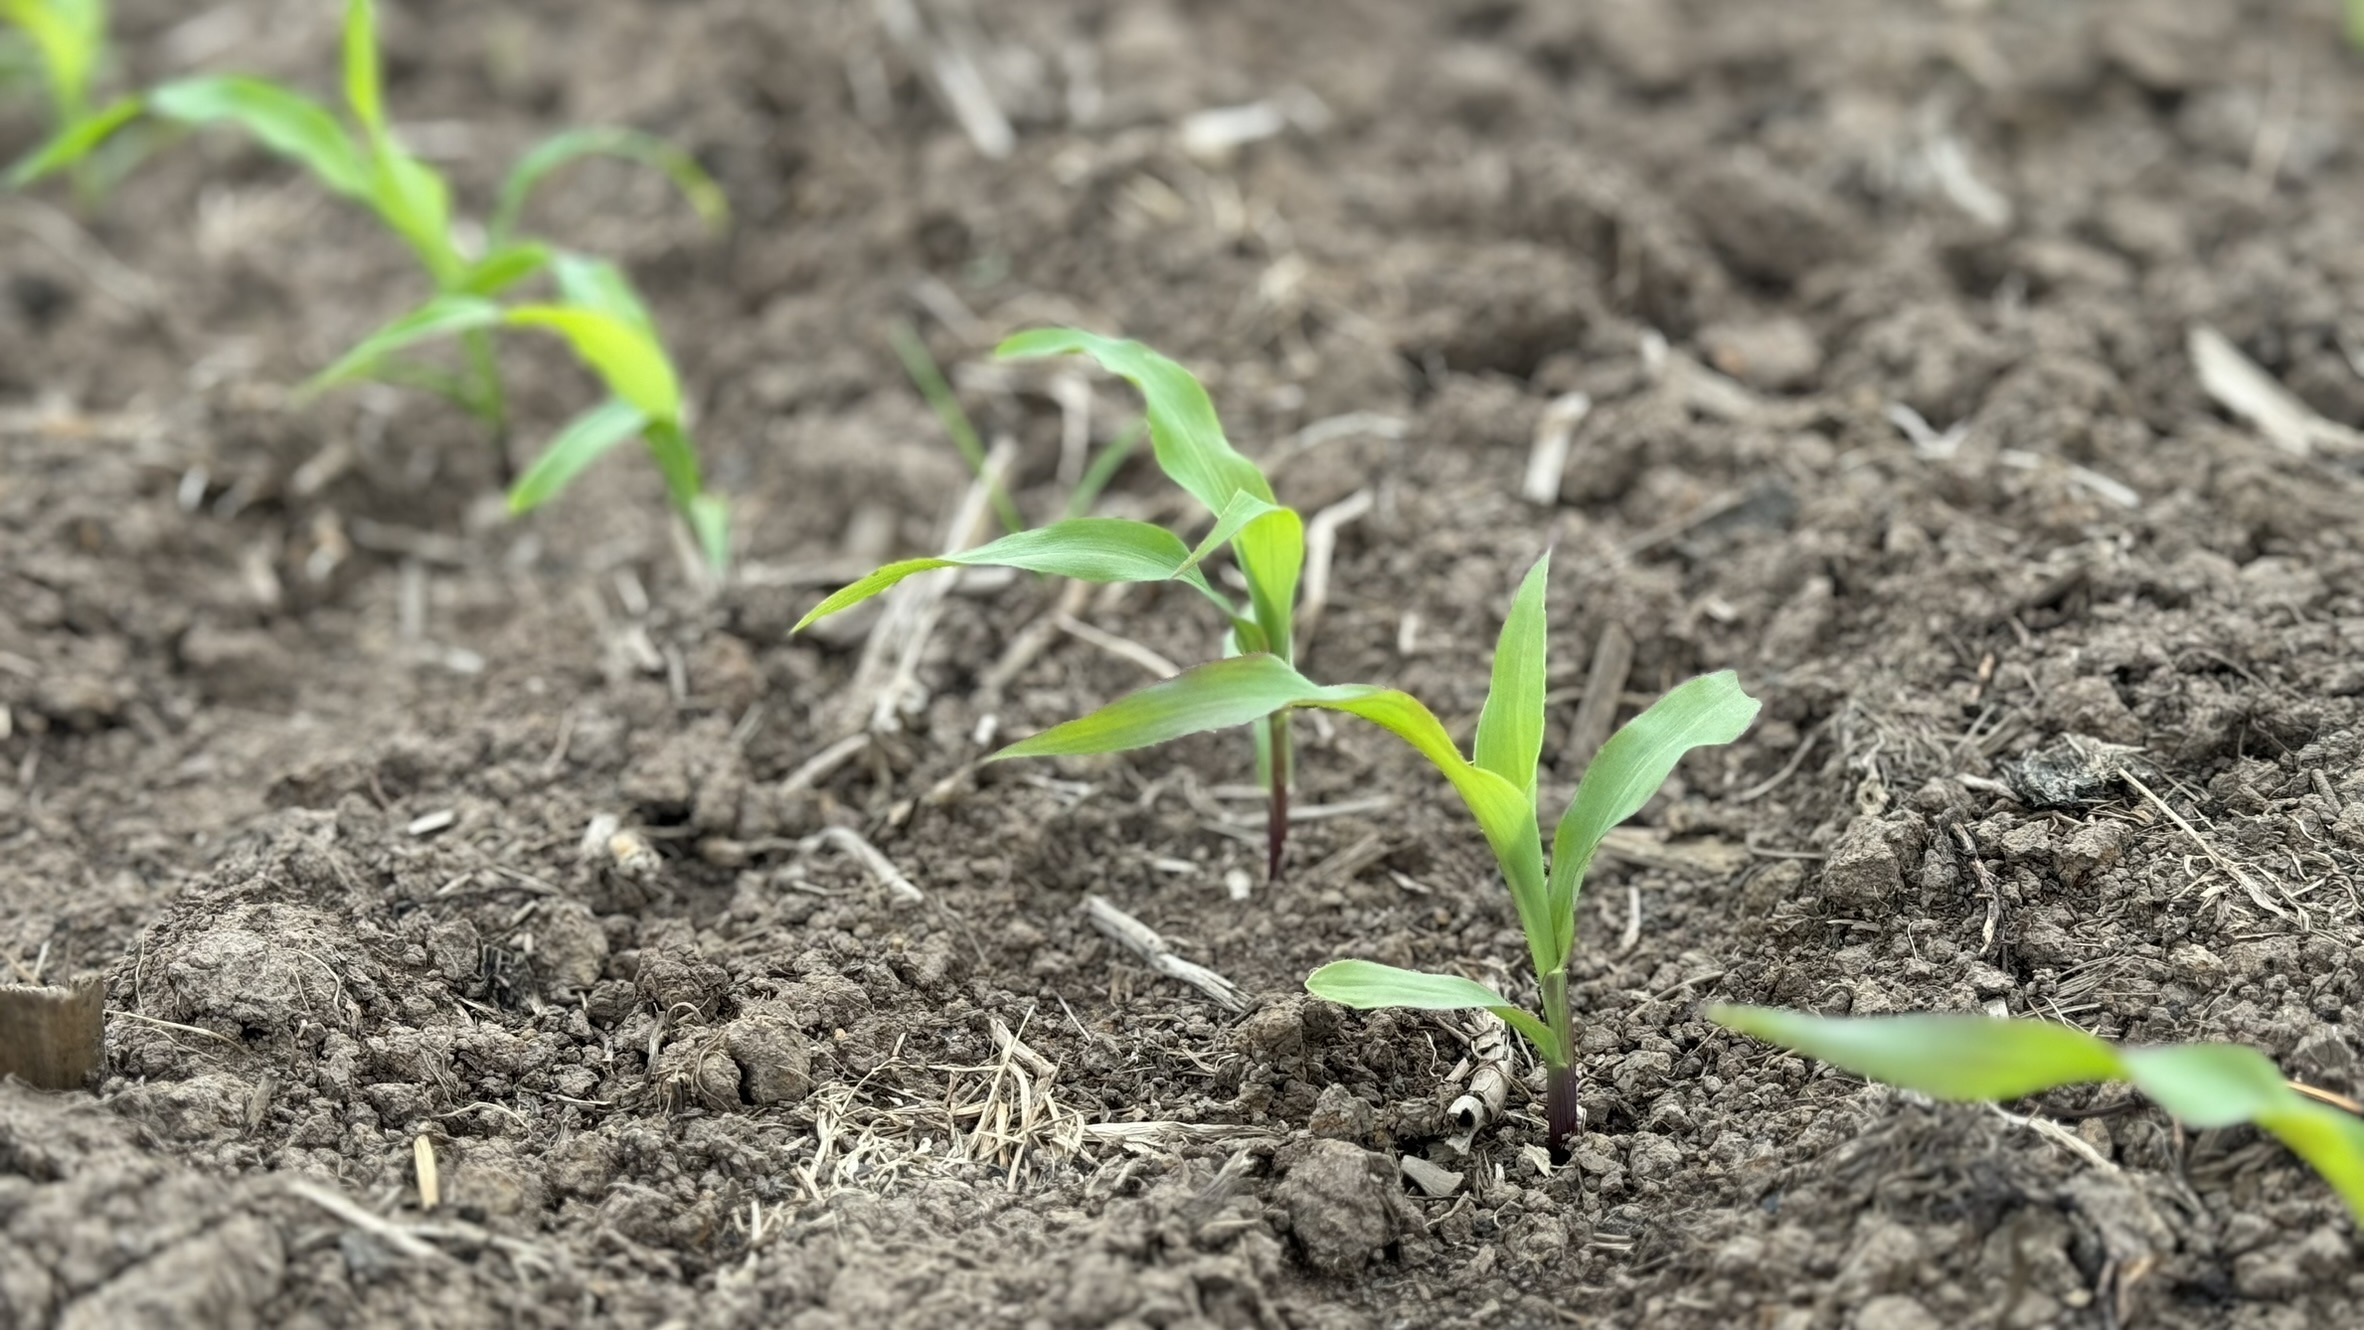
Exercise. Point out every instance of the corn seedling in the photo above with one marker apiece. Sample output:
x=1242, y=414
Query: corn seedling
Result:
x=1984, y=1058
x=1499, y=787
x=66, y=42
x=597, y=313
x=1267, y=540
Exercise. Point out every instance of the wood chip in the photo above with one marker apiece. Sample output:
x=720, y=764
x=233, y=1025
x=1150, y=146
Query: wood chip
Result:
x=53, y=1037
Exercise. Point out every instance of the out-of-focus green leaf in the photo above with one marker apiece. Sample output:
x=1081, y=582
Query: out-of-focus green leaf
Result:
x=1089, y=549
x=1368, y=985
x=1510, y=728
x=928, y=377
x=441, y=316
x=503, y=268
x=625, y=356
x=1241, y=689
x=72, y=144
x=583, y=441
x=1945, y=1056
x=1630, y=768
x=709, y=517
x=600, y=285
x=1986, y=1058
x=284, y=121
x=415, y=202
x=677, y=461
x=571, y=145
x=362, y=91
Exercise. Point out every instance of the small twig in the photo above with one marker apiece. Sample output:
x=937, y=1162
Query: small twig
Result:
x=821, y=765
x=1122, y=647
x=1604, y=684
x=2256, y=893
x=1547, y=461
x=1143, y=941
x=1321, y=545
x=881, y=869
x=394, y=1235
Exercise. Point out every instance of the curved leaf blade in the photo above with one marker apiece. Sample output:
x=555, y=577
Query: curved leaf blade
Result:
x=1183, y=429
x=697, y=187
x=73, y=143
x=441, y=316
x=584, y=440
x=503, y=268
x=1510, y=727
x=600, y=285
x=626, y=357
x=286, y=122
x=1630, y=768
x=709, y=518
x=1088, y=549
x=1368, y=985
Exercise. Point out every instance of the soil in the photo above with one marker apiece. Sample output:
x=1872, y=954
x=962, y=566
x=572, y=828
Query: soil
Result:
x=303, y=739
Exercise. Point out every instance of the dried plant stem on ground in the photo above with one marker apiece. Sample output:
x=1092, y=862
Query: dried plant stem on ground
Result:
x=1146, y=946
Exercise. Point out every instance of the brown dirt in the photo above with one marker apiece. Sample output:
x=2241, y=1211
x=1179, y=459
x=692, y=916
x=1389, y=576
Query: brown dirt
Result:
x=245, y=644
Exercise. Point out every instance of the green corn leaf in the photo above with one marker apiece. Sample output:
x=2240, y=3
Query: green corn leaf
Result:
x=1510, y=728
x=677, y=461
x=709, y=517
x=1967, y=1057
x=600, y=285
x=625, y=355
x=1367, y=985
x=286, y=122
x=415, y=202
x=362, y=91
x=441, y=316
x=1629, y=769
x=1183, y=429
x=1188, y=441
x=584, y=440
x=72, y=144
x=572, y=145
x=1241, y=689
x=69, y=36
x=1089, y=549
x=504, y=267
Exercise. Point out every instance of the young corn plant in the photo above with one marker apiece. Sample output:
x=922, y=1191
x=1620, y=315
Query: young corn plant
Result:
x=1498, y=783
x=597, y=313
x=1967, y=1057
x=66, y=41
x=1267, y=540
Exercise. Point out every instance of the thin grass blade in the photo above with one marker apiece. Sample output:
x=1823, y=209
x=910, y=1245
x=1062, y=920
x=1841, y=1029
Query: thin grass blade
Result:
x=1944, y=1056
x=551, y=154
x=598, y=284
x=441, y=316
x=1088, y=549
x=1630, y=768
x=286, y=122
x=926, y=376
x=584, y=440
x=72, y=144
x=1510, y=728
x=1985, y=1058
x=709, y=517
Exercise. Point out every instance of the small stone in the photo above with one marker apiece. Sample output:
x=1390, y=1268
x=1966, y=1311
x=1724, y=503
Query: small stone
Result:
x=1336, y=1197
x=1895, y=1312
x=1340, y=1115
x=1776, y=354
